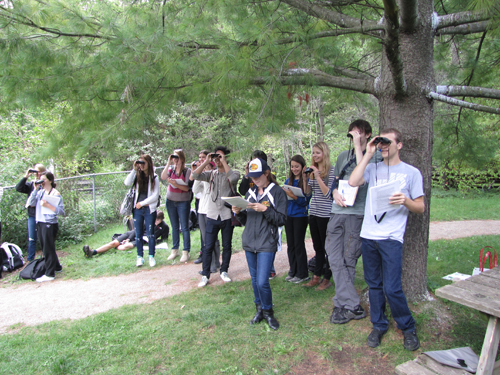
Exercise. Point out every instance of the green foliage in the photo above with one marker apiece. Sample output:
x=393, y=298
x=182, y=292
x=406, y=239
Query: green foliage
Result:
x=466, y=179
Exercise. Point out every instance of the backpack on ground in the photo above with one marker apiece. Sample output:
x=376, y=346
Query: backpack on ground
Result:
x=34, y=270
x=12, y=257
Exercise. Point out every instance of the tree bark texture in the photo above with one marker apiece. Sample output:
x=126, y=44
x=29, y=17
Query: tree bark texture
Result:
x=412, y=114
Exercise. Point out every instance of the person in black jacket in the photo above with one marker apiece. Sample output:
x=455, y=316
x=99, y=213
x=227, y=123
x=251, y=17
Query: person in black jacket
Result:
x=26, y=187
x=263, y=218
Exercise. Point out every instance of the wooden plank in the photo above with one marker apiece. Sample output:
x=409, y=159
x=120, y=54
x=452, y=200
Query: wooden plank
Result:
x=481, y=289
x=494, y=273
x=471, y=299
x=439, y=368
x=482, y=279
x=490, y=348
x=413, y=368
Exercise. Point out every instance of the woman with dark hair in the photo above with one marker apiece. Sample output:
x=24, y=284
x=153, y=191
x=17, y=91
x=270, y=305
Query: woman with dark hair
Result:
x=48, y=204
x=178, y=202
x=296, y=222
x=319, y=211
x=147, y=190
x=263, y=217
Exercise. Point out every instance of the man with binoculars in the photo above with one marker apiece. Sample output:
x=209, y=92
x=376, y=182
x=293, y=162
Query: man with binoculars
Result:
x=382, y=235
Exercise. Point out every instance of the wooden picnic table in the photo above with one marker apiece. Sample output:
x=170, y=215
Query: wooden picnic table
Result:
x=482, y=293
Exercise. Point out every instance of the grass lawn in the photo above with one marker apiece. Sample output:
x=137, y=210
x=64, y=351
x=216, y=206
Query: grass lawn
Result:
x=206, y=331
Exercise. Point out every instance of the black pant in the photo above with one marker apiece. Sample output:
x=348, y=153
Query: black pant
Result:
x=295, y=228
x=211, y=233
x=47, y=235
x=318, y=226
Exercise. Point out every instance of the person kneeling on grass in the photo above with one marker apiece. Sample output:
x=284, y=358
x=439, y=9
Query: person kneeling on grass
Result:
x=126, y=241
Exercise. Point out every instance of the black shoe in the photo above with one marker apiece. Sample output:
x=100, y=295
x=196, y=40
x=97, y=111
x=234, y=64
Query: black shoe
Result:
x=58, y=269
x=198, y=260
x=411, y=342
x=86, y=250
x=258, y=315
x=337, y=315
x=271, y=320
x=374, y=338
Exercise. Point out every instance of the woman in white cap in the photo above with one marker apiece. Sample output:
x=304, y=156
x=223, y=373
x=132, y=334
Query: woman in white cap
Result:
x=263, y=219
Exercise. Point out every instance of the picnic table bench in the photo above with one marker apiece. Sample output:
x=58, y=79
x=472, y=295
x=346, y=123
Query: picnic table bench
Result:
x=482, y=293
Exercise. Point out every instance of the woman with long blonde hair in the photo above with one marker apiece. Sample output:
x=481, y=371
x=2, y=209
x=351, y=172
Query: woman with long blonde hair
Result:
x=319, y=211
x=178, y=202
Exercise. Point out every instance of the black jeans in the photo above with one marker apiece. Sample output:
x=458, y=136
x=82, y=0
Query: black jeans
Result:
x=295, y=228
x=318, y=226
x=211, y=234
x=47, y=235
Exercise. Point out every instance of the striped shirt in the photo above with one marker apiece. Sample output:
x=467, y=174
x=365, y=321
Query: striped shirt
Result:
x=321, y=205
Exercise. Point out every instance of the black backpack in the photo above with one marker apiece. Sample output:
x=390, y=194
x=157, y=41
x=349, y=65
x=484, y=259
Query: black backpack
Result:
x=34, y=269
x=12, y=257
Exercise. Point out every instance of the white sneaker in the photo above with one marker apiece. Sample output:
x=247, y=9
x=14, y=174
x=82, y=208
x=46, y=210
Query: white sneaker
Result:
x=184, y=257
x=140, y=261
x=152, y=261
x=203, y=282
x=174, y=254
x=225, y=277
x=44, y=278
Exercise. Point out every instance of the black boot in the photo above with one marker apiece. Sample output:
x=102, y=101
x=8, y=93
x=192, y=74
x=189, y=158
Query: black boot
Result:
x=271, y=320
x=258, y=315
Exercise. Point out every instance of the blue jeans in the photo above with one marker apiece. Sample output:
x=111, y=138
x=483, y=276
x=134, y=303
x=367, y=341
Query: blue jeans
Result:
x=31, y=238
x=259, y=265
x=383, y=266
x=143, y=217
x=211, y=233
x=179, y=212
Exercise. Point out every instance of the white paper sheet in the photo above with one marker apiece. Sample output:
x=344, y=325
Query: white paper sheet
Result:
x=379, y=197
x=236, y=201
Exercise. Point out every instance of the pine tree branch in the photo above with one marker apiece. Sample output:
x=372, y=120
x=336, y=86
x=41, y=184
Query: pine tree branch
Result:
x=469, y=91
x=336, y=18
x=471, y=28
x=391, y=44
x=462, y=18
x=464, y=104
x=316, y=77
x=409, y=15
x=364, y=29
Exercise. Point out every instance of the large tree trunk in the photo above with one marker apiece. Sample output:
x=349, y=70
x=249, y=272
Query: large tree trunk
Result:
x=413, y=116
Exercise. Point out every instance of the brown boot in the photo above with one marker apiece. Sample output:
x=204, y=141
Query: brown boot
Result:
x=314, y=281
x=325, y=283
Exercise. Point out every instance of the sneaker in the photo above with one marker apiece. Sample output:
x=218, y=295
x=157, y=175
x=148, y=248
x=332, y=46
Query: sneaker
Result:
x=272, y=275
x=203, y=282
x=347, y=315
x=152, y=261
x=411, y=342
x=225, y=277
x=140, y=261
x=289, y=278
x=374, y=338
x=44, y=278
x=337, y=315
x=298, y=280
x=86, y=250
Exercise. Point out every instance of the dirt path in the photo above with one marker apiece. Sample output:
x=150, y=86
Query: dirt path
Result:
x=32, y=303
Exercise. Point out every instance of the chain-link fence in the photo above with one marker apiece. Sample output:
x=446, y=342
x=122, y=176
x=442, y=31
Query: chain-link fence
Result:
x=90, y=202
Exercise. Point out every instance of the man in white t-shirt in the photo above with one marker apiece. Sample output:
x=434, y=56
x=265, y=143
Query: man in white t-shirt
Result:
x=382, y=235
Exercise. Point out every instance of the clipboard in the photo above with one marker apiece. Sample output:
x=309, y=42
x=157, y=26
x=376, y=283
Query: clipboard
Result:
x=295, y=190
x=52, y=200
x=236, y=201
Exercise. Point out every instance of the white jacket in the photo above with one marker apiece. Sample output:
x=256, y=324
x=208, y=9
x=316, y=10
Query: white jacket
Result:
x=152, y=199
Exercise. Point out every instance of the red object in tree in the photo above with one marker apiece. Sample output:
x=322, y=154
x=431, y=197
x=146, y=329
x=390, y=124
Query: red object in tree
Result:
x=300, y=98
x=307, y=98
x=289, y=95
x=292, y=64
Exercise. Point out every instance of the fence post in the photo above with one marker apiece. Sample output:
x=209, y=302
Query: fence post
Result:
x=93, y=198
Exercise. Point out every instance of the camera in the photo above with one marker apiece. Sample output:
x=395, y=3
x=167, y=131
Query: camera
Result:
x=142, y=162
x=38, y=182
x=194, y=164
x=33, y=171
x=308, y=170
x=383, y=140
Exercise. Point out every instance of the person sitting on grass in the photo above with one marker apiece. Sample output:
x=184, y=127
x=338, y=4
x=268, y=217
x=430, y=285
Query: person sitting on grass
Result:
x=126, y=241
